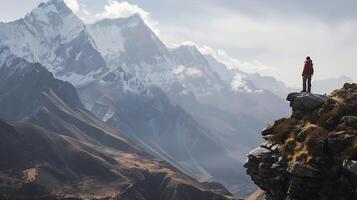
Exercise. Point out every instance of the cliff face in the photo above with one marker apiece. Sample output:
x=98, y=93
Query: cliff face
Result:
x=312, y=154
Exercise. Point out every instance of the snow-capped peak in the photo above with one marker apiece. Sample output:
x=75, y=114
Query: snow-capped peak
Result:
x=57, y=5
x=130, y=21
x=54, y=36
x=190, y=49
x=108, y=34
x=130, y=43
x=54, y=18
x=133, y=20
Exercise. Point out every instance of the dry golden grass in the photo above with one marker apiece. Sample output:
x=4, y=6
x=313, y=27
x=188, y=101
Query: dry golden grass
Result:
x=283, y=129
x=30, y=175
x=302, y=143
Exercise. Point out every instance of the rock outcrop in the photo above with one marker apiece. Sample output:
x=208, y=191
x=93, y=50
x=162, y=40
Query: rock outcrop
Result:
x=305, y=101
x=312, y=154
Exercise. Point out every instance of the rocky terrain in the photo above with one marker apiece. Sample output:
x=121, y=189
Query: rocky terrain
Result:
x=312, y=154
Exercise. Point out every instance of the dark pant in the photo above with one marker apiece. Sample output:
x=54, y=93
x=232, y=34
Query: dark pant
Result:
x=306, y=79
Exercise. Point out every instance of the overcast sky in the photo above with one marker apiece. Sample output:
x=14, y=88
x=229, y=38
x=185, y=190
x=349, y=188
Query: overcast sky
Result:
x=270, y=37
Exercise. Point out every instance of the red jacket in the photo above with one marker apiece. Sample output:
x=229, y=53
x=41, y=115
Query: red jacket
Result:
x=308, y=68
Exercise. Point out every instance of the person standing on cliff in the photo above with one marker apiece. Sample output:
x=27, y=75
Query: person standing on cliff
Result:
x=307, y=74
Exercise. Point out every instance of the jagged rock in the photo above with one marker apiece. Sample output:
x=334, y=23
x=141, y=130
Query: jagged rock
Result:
x=312, y=154
x=338, y=142
x=305, y=101
x=263, y=166
x=350, y=166
x=347, y=123
x=301, y=170
x=260, y=153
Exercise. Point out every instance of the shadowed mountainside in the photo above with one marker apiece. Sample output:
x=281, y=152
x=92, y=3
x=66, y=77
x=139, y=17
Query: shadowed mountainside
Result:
x=54, y=148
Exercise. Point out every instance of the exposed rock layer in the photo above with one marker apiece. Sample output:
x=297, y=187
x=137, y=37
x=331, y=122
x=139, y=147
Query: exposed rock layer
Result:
x=312, y=154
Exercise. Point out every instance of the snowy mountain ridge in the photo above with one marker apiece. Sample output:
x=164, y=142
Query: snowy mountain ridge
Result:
x=54, y=36
x=132, y=45
x=177, y=103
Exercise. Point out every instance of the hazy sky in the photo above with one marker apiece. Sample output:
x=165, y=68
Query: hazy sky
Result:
x=271, y=37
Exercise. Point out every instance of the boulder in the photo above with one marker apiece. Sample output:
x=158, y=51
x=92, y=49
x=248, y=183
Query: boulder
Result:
x=350, y=166
x=305, y=101
x=260, y=153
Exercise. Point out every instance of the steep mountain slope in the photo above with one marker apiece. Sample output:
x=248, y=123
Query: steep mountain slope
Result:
x=312, y=154
x=71, y=168
x=59, y=149
x=148, y=117
x=25, y=98
x=178, y=71
x=118, y=88
x=136, y=49
x=182, y=73
x=53, y=36
x=39, y=162
x=194, y=72
x=136, y=69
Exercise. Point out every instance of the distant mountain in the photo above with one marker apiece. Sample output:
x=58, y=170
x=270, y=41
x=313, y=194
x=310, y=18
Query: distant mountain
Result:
x=174, y=103
x=326, y=86
x=147, y=116
x=259, y=81
x=194, y=71
x=56, y=148
x=55, y=37
x=138, y=51
x=25, y=87
x=181, y=72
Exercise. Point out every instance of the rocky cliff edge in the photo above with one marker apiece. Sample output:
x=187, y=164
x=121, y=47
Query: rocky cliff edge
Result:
x=312, y=154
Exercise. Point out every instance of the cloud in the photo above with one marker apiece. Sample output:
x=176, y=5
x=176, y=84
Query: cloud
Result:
x=187, y=71
x=85, y=11
x=186, y=43
x=273, y=45
x=222, y=56
x=253, y=66
x=73, y=5
x=271, y=38
x=193, y=72
x=114, y=9
x=239, y=84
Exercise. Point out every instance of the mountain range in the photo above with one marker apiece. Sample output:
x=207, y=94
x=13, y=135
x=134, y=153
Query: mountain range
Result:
x=52, y=147
x=178, y=105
